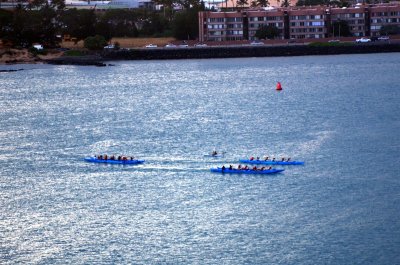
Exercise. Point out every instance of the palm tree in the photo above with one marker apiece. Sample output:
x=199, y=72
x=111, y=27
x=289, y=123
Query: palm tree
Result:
x=242, y=3
x=285, y=3
x=262, y=3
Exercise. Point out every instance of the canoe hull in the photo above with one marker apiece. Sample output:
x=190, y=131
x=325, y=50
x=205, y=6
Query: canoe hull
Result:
x=270, y=162
x=109, y=161
x=247, y=171
x=214, y=156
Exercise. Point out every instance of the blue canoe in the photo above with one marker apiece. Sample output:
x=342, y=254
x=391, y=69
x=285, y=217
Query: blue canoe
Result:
x=270, y=162
x=109, y=161
x=246, y=171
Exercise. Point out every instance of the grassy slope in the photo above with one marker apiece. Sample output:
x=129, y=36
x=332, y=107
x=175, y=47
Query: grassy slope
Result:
x=124, y=42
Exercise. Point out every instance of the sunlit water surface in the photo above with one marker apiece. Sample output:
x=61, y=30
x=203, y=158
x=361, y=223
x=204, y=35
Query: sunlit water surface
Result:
x=339, y=114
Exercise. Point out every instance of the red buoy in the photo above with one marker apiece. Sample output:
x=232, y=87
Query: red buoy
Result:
x=278, y=86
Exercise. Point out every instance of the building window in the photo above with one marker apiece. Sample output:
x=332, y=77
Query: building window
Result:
x=317, y=23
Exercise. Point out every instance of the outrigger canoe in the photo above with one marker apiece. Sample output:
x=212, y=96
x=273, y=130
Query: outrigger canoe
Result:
x=271, y=162
x=109, y=161
x=246, y=171
x=211, y=155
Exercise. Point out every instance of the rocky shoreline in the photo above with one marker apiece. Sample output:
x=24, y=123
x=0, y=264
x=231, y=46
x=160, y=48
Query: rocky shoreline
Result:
x=94, y=60
x=22, y=56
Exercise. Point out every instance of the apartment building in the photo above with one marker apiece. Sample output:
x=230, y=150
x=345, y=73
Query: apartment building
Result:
x=383, y=15
x=308, y=23
x=296, y=22
x=357, y=18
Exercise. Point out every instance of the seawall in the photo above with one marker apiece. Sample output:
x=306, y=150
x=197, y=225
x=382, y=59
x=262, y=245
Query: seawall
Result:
x=224, y=52
x=246, y=51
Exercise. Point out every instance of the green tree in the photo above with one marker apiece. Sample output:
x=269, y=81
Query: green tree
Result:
x=58, y=4
x=341, y=29
x=26, y=27
x=38, y=23
x=36, y=4
x=168, y=7
x=187, y=4
x=389, y=30
x=186, y=25
x=262, y=3
x=95, y=42
x=310, y=2
x=242, y=3
x=267, y=32
x=6, y=21
x=118, y=23
x=339, y=3
x=79, y=23
x=285, y=3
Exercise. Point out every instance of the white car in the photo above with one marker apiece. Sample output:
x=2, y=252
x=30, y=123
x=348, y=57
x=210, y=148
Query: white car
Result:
x=200, y=45
x=170, y=45
x=151, y=46
x=384, y=38
x=256, y=43
x=38, y=47
x=363, y=40
x=111, y=46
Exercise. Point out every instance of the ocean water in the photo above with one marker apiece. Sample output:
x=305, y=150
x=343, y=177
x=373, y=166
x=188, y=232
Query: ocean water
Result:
x=339, y=114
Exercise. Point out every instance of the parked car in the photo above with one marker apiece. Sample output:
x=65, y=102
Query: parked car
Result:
x=363, y=40
x=256, y=43
x=334, y=41
x=151, y=46
x=38, y=47
x=109, y=47
x=200, y=45
x=384, y=38
x=170, y=45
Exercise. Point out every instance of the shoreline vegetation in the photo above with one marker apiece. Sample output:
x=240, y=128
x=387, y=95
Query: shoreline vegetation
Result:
x=100, y=58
